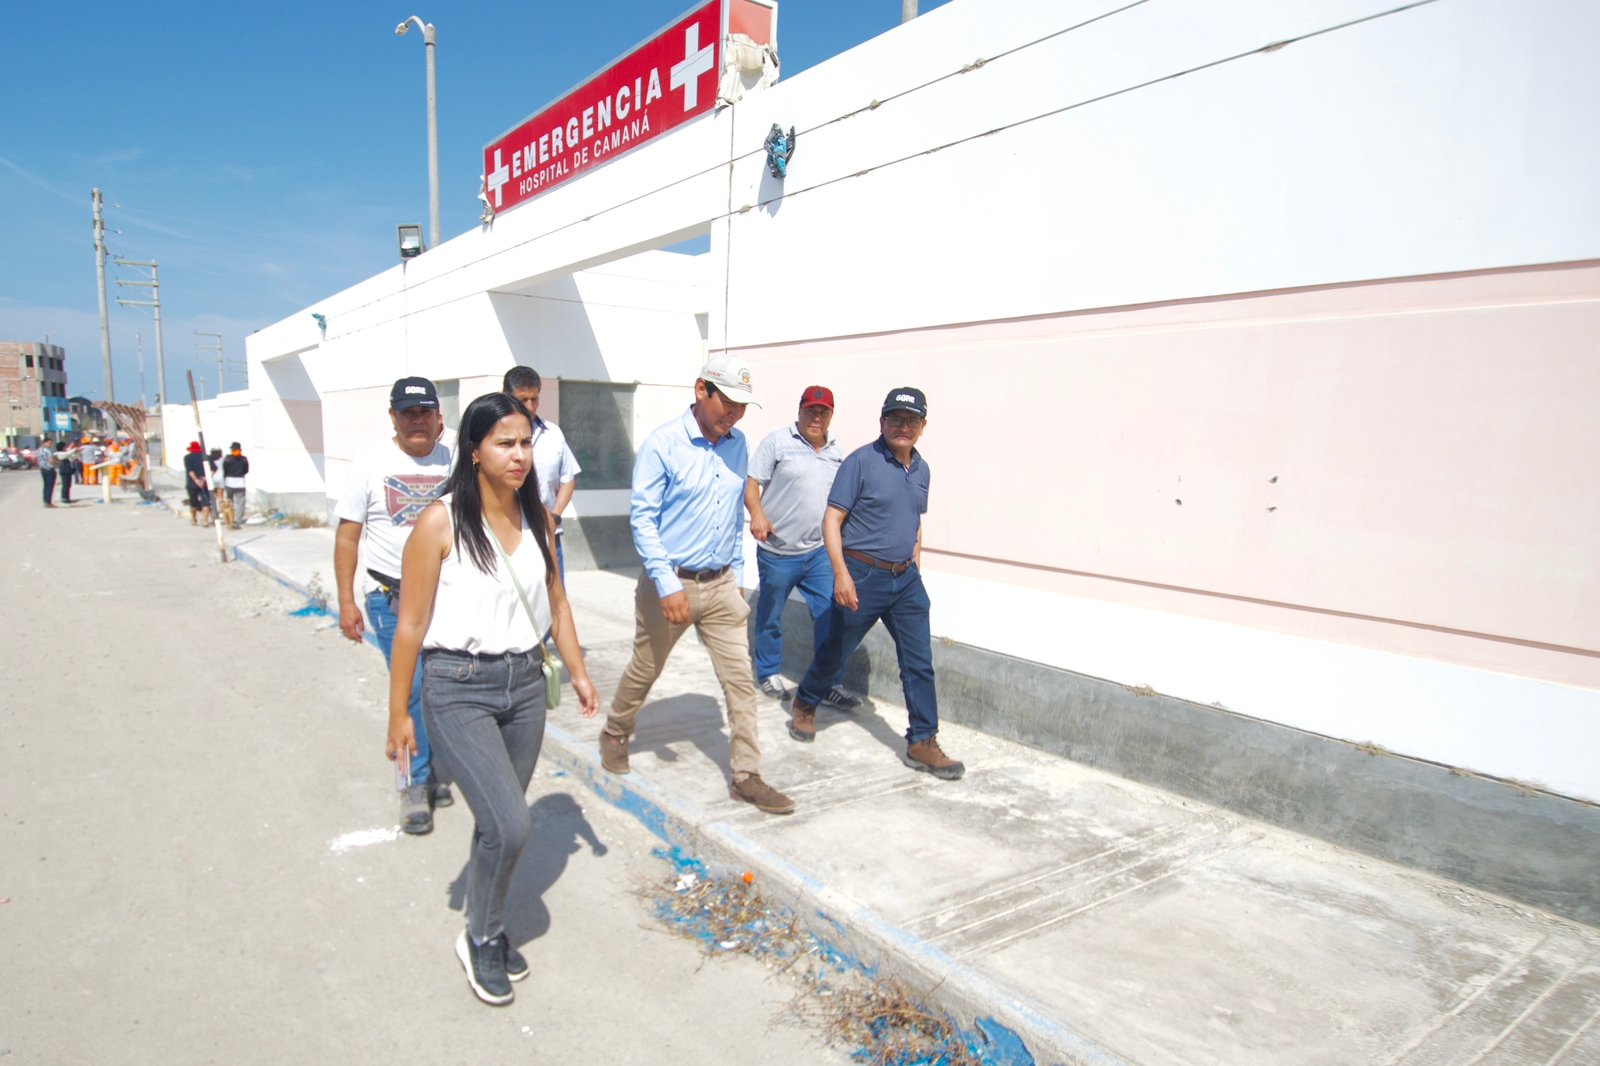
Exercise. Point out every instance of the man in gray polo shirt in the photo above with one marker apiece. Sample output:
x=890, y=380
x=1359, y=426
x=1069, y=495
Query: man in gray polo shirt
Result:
x=873, y=532
x=790, y=475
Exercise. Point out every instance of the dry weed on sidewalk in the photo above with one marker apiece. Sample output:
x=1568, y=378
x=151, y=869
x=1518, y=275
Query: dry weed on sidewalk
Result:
x=884, y=1022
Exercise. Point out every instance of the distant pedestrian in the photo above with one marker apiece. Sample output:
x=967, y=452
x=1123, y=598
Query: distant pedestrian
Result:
x=197, y=483
x=234, y=468
x=384, y=495
x=66, y=468
x=480, y=592
x=556, y=469
x=687, y=513
x=89, y=455
x=45, y=456
x=790, y=475
x=873, y=531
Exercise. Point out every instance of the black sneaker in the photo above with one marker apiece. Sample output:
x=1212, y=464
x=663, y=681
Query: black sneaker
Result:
x=442, y=796
x=841, y=700
x=516, y=965
x=486, y=969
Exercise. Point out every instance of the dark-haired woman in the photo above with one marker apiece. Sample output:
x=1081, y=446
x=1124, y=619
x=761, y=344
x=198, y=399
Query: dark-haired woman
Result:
x=483, y=693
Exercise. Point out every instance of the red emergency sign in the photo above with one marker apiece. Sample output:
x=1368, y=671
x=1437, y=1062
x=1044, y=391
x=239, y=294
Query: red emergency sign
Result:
x=663, y=83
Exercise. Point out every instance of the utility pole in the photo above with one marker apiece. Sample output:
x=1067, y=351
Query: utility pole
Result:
x=216, y=348
x=138, y=341
x=908, y=11
x=100, y=273
x=154, y=285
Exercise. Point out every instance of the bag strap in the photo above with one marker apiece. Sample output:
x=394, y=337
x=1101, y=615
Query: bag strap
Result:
x=521, y=595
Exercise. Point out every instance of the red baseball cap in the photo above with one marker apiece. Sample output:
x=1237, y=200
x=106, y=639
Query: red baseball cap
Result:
x=817, y=396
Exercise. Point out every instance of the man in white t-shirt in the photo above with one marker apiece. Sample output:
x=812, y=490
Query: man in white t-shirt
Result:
x=554, y=466
x=384, y=495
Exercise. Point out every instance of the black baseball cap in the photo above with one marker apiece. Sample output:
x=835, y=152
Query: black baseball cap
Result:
x=413, y=392
x=906, y=398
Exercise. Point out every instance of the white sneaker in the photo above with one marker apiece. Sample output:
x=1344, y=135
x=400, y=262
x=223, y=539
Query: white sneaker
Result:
x=774, y=687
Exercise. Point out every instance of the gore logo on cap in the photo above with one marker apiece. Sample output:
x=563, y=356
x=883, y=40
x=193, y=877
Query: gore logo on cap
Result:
x=904, y=398
x=418, y=389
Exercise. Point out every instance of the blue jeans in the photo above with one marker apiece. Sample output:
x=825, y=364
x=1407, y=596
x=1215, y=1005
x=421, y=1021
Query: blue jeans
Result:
x=383, y=624
x=902, y=603
x=486, y=714
x=812, y=574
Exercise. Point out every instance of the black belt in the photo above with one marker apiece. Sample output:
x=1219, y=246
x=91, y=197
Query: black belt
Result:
x=700, y=575
x=893, y=568
x=389, y=586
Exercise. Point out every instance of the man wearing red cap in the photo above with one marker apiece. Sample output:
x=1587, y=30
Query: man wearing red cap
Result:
x=196, y=482
x=787, y=493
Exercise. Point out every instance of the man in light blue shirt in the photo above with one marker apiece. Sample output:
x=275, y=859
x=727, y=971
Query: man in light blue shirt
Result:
x=687, y=514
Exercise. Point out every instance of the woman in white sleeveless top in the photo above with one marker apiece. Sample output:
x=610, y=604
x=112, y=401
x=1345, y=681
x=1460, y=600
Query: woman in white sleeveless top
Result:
x=483, y=694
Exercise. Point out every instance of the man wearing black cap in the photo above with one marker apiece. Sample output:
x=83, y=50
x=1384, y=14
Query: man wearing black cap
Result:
x=873, y=533
x=234, y=468
x=384, y=495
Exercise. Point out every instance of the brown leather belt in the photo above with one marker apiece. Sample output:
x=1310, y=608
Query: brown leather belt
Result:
x=700, y=575
x=862, y=557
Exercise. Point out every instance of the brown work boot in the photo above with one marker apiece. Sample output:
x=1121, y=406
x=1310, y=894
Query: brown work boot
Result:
x=756, y=791
x=613, y=752
x=927, y=755
x=803, y=722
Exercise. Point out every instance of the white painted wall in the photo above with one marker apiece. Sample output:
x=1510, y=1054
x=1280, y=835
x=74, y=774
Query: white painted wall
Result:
x=1455, y=136
x=1074, y=173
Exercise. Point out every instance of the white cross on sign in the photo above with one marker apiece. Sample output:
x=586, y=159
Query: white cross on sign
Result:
x=497, y=180
x=696, y=61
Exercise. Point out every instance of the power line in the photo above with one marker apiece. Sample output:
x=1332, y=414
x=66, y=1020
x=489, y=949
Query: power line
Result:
x=976, y=65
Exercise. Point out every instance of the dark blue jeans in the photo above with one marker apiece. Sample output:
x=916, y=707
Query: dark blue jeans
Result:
x=902, y=603
x=49, y=476
x=381, y=614
x=812, y=574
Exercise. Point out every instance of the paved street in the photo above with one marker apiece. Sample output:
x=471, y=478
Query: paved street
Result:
x=197, y=859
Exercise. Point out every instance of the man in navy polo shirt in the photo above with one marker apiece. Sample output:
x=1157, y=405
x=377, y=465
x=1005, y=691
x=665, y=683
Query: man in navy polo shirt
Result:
x=873, y=533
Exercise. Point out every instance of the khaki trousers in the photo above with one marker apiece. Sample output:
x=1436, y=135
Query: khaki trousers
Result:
x=718, y=613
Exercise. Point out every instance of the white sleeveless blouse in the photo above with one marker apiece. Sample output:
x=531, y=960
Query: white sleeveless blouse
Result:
x=481, y=613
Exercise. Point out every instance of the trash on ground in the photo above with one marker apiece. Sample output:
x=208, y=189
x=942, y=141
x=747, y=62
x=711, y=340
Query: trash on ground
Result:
x=885, y=1022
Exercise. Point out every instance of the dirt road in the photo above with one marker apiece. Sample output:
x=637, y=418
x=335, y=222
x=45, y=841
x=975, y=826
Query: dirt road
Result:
x=197, y=856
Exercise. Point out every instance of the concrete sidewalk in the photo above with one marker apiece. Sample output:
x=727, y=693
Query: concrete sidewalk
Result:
x=1100, y=920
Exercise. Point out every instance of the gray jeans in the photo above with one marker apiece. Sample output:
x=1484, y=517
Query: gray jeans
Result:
x=485, y=719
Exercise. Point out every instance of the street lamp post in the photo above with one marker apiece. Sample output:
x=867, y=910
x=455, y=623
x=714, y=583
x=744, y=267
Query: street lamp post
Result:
x=429, y=38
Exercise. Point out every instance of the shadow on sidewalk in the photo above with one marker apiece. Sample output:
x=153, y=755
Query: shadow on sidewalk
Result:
x=559, y=830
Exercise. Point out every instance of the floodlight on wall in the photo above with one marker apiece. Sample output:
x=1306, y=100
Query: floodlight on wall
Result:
x=411, y=244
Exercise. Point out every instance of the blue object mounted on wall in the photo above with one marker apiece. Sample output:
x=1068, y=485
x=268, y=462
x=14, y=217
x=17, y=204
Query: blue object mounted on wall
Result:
x=779, y=146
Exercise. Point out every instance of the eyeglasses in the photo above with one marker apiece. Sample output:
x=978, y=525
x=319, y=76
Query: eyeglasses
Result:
x=815, y=411
x=903, y=421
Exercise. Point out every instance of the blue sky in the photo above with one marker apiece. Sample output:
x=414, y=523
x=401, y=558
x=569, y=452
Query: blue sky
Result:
x=264, y=153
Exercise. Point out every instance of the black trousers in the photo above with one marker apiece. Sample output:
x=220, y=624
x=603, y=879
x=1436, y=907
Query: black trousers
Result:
x=66, y=483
